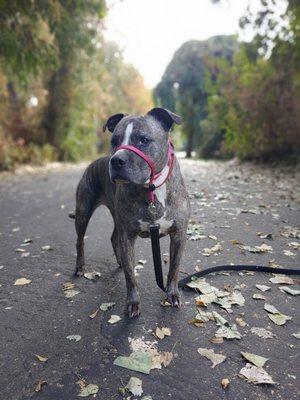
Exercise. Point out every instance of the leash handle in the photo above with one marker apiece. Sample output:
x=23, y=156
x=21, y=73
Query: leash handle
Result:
x=154, y=234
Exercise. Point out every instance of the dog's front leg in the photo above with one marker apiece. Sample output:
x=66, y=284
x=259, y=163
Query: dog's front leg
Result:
x=177, y=244
x=126, y=247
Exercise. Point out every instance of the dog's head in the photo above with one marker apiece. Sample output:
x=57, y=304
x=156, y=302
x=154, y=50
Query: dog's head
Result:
x=149, y=134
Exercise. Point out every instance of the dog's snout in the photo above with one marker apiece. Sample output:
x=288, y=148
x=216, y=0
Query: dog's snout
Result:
x=117, y=162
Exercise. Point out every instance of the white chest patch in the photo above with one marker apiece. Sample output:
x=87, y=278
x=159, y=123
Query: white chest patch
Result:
x=165, y=225
x=161, y=194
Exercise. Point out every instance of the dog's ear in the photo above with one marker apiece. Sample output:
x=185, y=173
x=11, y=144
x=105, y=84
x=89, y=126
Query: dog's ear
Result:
x=112, y=122
x=165, y=117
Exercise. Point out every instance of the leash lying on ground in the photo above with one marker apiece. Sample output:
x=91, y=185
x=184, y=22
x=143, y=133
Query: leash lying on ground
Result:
x=154, y=234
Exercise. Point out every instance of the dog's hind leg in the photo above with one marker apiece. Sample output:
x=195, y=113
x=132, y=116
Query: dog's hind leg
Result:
x=81, y=222
x=85, y=206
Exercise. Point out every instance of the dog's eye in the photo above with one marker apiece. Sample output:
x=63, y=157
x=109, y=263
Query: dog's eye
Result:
x=144, y=140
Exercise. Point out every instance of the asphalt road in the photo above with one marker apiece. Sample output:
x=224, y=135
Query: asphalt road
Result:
x=231, y=202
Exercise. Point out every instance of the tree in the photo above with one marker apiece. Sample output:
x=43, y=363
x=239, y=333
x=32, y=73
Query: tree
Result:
x=182, y=87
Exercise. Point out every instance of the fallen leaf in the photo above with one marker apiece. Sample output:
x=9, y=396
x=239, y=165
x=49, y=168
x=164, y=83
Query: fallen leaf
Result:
x=213, y=250
x=23, y=255
x=256, y=375
x=41, y=358
x=71, y=293
x=271, y=309
x=27, y=240
x=226, y=330
x=264, y=248
x=279, y=319
x=76, y=338
x=282, y=279
x=259, y=296
x=22, y=281
x=88, y=390
x=289, y=253
x=161, y=358
x=137, y=361
x=263, y=288
x=288, y=290
x=262, y=332
x=40, y=385
x=20, y=250
x=265, y=235
x=290, y=232
x=114, y=319
x=217, y=340
x=195, y=231
x=106, y=306
x=296, y=335
x=225, y=383
x=240, y=322
x=165, y=303
x=259, y=361
x=142, y=262
x=47, y=247
x=94, y=314
x=160, y=333
x=146, y=398
x=212, y=356
x=68, y=286
x=294, y=245
x=135, y=386
x=93, y=276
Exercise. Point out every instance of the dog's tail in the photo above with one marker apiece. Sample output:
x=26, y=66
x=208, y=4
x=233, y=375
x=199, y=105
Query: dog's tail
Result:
x=72, y=215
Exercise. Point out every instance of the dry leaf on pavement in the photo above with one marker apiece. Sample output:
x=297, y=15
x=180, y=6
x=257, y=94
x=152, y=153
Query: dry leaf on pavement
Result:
x=22, y=281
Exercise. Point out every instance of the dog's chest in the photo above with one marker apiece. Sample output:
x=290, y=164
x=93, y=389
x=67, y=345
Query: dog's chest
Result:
x=164, y=223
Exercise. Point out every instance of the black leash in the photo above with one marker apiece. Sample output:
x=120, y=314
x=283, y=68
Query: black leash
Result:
x=256, y=268
x=154, y=234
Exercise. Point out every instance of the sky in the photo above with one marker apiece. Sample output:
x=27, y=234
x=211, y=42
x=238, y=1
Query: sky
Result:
x=150, y=31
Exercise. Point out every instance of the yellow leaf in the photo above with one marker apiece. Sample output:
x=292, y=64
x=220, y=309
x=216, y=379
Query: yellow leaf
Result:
x=22, y=281
x=41, y=358
x=94, y=314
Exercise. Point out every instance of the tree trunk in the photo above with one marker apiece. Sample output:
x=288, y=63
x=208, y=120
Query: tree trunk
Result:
x=57, y=115
x=16, y=127
x=189, y=147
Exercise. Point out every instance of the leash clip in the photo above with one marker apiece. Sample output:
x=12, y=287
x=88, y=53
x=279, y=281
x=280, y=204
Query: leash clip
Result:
x=152, y=209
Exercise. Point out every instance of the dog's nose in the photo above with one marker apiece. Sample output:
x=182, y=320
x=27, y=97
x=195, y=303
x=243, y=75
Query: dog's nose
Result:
x=117, y=162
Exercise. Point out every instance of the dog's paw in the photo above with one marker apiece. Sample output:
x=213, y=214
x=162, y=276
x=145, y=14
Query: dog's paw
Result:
x=133, y=310
x=174, y=299
x=79, y=272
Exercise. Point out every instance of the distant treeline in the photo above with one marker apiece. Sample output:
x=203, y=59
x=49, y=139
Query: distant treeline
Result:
x=59, y=80
x=240, y=99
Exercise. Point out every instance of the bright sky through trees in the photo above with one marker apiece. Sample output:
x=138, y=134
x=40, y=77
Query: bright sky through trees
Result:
x=150, y=31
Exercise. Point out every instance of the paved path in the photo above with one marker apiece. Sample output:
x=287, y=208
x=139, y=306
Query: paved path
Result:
x=231, y=203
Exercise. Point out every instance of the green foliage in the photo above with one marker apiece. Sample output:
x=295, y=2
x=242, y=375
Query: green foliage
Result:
x=184, y=85
x=59, y=81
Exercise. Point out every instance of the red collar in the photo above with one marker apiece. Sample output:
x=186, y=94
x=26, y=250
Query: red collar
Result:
x=156, y=179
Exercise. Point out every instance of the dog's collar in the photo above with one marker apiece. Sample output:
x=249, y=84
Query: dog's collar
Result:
x=156, y=179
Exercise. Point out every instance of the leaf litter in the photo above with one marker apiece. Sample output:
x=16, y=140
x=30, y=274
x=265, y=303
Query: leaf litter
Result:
x=262, y=332
x=134, y=386
x=212, y=356
x=258, y=361
x=144, y=357
x=160, y=333
x=276, y=316
x=22, y=282
x=256, y=375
